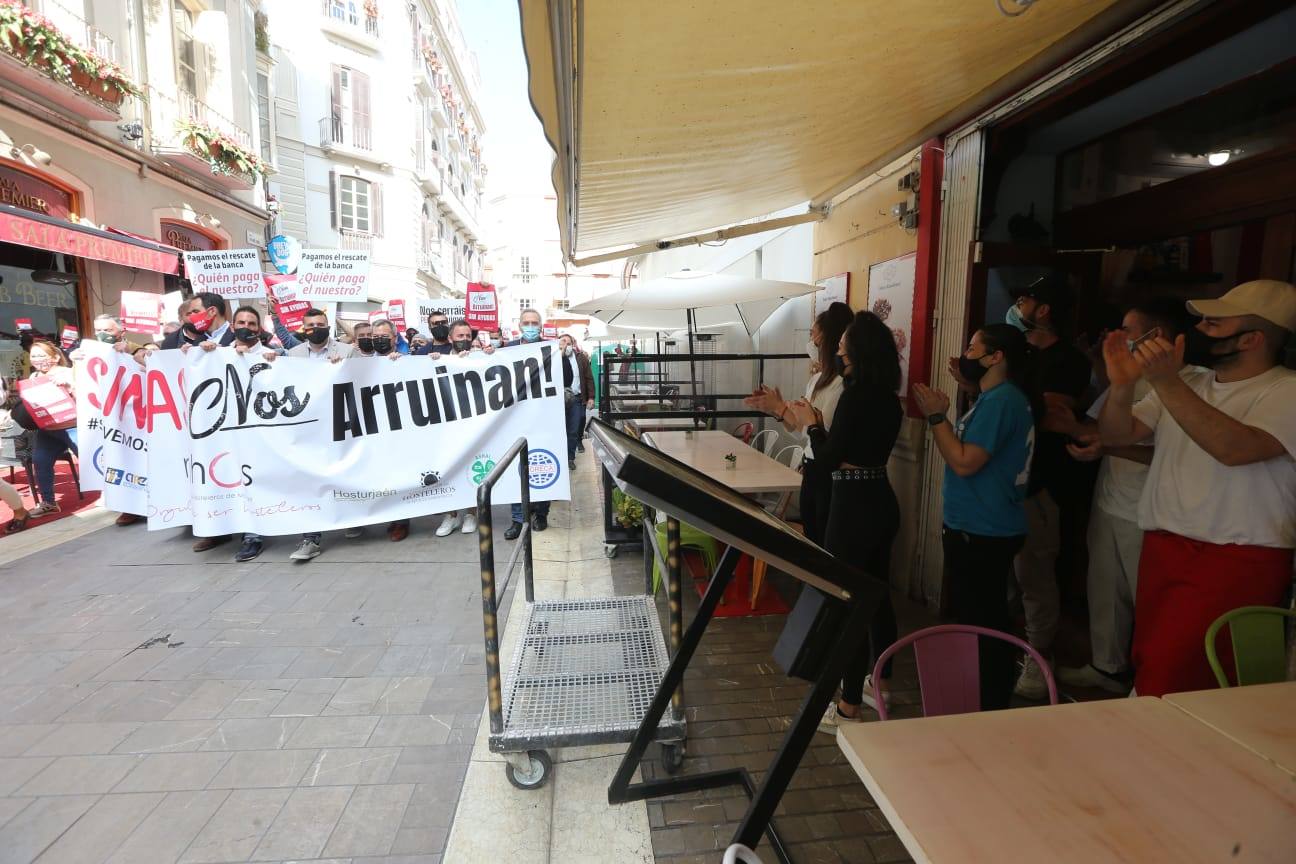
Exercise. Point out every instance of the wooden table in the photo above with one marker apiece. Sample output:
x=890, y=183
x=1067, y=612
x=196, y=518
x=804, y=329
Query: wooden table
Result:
x=1261, y=717
x=1134, y=780
x=705, y=450
x=646, y=425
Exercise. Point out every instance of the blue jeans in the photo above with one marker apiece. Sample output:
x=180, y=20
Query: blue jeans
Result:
x=50, y=444
x=575, y=425
x=538, y=508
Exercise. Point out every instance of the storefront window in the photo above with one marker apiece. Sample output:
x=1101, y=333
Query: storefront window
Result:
x=37, y=287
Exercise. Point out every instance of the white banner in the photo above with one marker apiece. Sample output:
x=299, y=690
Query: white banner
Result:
x=112, y=426
x=333, y=275
x=301, y=445
x=235, y=274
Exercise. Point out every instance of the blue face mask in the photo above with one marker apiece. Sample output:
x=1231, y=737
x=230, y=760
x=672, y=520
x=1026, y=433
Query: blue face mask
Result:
x=1015, y=318
x=530, y=333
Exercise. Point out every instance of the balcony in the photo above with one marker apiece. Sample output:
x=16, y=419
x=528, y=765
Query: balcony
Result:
x=429, y=263
x=351, y=20
x=427, y=167
x=459, y=208
x=342, y=138
x=354, y=241
x=92, y=89
x=190, y=134
x=479, y=178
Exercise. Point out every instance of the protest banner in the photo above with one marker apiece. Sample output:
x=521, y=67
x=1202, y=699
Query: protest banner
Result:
x=49, y=405
x=396, y=314
x=481, y=307
x=296, y=445
x=141, y=312
x=333, y=275
x=282, y=291
x=112, y=424
x=234, y=274
x=69, y=337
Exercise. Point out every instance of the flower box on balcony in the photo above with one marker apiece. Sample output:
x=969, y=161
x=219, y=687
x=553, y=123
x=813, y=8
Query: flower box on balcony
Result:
x=230, y=165
x=44, y=60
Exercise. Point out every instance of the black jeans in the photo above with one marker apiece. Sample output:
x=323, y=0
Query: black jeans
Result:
x=977, y=572
x=862, y=520
x=813, y=501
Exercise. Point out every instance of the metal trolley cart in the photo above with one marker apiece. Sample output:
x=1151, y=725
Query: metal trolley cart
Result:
x=584, y=671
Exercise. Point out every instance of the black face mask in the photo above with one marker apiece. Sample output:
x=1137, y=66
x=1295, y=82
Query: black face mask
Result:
x=971, y=368
x=462, y=344
x=318, y=336
x=440, y=332
x=365, y=343
x=1199, y=348
x=382, y=344
x=840, y=363
x=246, y=335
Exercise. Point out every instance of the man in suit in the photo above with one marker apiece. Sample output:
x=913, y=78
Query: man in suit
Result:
x=206, y=324
x=578, y=393
x=532, y=327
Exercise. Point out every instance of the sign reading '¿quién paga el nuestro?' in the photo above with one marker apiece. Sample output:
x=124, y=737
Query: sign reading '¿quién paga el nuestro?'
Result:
x=231, y=443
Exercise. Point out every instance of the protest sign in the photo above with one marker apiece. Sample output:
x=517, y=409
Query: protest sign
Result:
x=21, y=324
x=284, y=303
x=333, y=275
x=234, y=274
x=447, y=306
x=49, y=405
x=113, y=392
x=481, y=308
x=377, y=315
x=69, y=337
x=284, y=253
x=396, y=314
x=141, y=312
x=549, y=331
x=296, y=445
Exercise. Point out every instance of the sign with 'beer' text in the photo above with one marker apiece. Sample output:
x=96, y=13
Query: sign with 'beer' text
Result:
x=234, y=274
x=333, y=275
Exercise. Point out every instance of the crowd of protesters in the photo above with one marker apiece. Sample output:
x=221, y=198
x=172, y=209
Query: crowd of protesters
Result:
x=205, y=324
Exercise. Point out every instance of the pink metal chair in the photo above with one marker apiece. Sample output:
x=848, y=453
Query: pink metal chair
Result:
x=744, y=431
x=949, y=674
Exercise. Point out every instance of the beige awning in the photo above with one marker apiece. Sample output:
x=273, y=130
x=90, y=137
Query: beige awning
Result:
x=678, y=116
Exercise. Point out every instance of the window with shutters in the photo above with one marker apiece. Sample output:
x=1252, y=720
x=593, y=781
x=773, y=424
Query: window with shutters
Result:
x=186, y=48
x=355, y=205
x=351, y=109
x=265, y=114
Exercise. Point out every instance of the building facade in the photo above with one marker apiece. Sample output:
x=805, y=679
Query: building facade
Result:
x=128, y=131
x=377, y=141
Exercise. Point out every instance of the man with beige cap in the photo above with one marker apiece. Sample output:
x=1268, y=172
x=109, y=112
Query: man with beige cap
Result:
x=1218, y=510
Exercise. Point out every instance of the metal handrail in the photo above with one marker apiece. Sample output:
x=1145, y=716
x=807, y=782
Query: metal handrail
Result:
x=490, y=594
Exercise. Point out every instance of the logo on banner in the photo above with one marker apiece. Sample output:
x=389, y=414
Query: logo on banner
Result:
x=118, y=477
x=542, y=469
x=285, y=253
x=228, y=477
x=430, y=478
x=480, y=469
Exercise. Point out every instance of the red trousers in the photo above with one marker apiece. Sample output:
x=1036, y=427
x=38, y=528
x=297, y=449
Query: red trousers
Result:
x=1183, y=586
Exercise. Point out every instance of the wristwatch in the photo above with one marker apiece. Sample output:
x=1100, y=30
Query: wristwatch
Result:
x=934, y=420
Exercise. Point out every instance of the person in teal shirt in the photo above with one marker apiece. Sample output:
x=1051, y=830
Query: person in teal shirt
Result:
x=987, y=468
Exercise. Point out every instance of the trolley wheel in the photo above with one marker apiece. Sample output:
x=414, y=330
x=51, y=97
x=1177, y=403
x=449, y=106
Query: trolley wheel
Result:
x=672, y=757
x=537, y=776
x=610, y=550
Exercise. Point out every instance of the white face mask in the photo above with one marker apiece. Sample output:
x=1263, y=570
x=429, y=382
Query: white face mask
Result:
x=567, y=350
x=812, y=349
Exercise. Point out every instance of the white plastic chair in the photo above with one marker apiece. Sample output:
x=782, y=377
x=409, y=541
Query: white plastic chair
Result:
x=740, y=854
x=795, y=453
x=761, y=443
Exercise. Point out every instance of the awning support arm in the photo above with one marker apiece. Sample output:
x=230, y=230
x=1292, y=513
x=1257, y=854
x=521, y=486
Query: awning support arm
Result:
x=814, y=215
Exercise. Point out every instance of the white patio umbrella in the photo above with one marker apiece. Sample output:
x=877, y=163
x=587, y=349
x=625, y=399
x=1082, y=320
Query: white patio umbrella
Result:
x=693, y=299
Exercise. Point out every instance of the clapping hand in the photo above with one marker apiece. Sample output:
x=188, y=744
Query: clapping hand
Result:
x=930, y=401
x=766, y=399
x=1160, y=359
x=1122, y=366
x=805, y=413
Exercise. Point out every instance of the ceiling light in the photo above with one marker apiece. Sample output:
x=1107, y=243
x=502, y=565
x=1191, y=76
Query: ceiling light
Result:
x=1218, y=158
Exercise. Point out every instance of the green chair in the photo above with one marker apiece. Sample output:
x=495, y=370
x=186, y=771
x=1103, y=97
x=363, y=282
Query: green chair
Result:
x=690, y=538
x=1259, y=644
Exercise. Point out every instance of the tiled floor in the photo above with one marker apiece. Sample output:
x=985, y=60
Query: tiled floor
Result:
x=162, y=706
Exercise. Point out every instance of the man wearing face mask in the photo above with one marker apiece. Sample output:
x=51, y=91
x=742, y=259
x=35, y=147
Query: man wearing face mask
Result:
x=439, y=327
x=362, y=340
x=204, y=317
x=1057, y=375
x=532, y=327
x=578, y=393
x=1218, y=510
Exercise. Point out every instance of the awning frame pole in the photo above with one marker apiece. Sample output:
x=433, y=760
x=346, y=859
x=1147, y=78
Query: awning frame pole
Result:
x=812, y=215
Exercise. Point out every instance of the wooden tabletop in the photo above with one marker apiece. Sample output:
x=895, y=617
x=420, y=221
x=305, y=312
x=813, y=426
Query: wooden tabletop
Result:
x=1261, y=717
x=705, y=450
x=1116, y=780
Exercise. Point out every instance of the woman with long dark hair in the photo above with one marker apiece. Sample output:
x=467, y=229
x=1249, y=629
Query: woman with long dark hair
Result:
x=822, y=391
x=863, y=515
x=987, y=466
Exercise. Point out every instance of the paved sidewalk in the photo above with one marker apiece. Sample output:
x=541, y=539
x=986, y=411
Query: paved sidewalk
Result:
x=162, y=706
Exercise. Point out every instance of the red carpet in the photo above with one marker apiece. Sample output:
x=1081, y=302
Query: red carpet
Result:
x=65, y=495
x=737, y=598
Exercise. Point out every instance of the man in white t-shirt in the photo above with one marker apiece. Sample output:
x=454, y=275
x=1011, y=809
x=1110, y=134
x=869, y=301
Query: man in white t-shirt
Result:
x=1219, y=506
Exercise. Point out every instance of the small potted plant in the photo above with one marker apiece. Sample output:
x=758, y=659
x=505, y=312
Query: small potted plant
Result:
x=731, y=461
x=626, y=511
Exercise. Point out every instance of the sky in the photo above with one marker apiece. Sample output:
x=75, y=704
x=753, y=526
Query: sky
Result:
x=514, y=147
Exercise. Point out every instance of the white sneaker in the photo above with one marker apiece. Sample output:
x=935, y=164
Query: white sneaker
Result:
x=469, y=523
x=353, y=533
x=1031, y=683
x=867, y=696
x=448, y=524
x=306, y=551
x=1090, y=676
x=832, y=718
